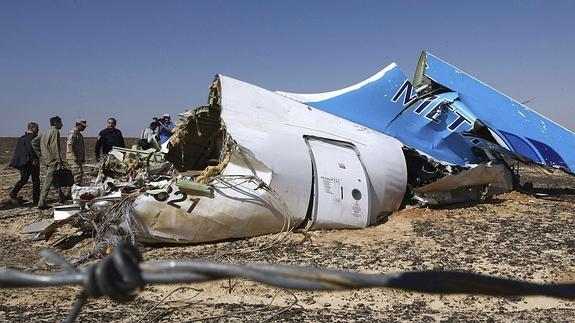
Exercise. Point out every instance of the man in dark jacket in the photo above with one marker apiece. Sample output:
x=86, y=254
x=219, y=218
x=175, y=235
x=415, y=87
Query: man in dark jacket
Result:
x=26, y=160
x=109, y=138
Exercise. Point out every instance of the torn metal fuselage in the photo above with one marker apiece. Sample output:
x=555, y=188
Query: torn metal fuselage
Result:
x=274, y=164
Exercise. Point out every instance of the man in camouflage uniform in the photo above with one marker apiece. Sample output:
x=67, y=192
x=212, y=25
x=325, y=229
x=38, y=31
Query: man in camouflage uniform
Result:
x=75, y=155
x=47, y=147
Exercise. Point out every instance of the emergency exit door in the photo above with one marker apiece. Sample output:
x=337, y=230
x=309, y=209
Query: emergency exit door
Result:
x=341, y=193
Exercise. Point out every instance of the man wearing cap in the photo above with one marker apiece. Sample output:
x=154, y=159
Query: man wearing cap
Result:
x=75, y=154
x=166, y=128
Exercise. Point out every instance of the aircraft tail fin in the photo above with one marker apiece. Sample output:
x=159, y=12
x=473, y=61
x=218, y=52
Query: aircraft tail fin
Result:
x=523, y=130
x=373, y=103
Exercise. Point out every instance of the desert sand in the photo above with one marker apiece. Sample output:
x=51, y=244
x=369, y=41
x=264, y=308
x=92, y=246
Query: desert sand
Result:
x=515, y=235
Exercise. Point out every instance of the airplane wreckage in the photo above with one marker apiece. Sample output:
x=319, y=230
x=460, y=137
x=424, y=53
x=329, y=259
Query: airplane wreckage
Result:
x=254, y=162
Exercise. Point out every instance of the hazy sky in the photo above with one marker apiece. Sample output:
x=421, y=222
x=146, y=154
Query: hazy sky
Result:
x=137, y=59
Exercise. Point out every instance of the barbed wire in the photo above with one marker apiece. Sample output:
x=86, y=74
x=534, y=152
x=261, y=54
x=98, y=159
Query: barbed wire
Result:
x=122, y=275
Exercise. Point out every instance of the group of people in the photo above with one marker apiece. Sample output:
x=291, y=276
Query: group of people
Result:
x=31, y=149
x=157, y=133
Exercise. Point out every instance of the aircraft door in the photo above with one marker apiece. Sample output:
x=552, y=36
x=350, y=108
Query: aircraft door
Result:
x=341, y=191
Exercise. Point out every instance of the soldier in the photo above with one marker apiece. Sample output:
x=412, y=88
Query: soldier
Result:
x=75, y=154
x=26, y=161
x=47, y=146
x=108, y=138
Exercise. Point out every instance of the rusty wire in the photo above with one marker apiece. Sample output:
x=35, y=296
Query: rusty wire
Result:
x=122, y=275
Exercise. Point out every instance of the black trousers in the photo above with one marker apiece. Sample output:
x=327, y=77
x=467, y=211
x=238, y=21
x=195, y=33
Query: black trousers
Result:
x=25, y=172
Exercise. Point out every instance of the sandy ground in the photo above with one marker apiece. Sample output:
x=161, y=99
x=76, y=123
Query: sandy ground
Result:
x=514, y=235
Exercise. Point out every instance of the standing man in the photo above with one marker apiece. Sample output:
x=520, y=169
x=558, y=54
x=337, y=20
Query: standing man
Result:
x=47, y=146
x=75, y=155
x=166, y=128
x=109, y=138
x=148, y=139
x=26, y=160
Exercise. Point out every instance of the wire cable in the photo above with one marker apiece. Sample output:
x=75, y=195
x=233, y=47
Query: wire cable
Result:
x=122, y=275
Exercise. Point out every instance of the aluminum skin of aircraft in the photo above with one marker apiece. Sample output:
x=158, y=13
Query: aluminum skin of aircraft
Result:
x=275, y=161
x=285, y=163
x=448, y=115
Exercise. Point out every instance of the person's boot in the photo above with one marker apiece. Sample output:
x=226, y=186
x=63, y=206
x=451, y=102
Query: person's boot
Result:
x=35, y=197
x=64, y=197
x=14, y=198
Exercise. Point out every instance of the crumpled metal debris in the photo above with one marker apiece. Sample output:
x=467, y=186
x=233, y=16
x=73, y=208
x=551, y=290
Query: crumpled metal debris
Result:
x=472, y=185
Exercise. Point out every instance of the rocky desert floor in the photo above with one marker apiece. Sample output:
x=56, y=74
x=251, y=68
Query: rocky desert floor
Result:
x=515, y=235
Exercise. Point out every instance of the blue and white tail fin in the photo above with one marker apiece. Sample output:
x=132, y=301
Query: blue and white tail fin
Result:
x=437, y=118
x=372, y=103
x=520, y=129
